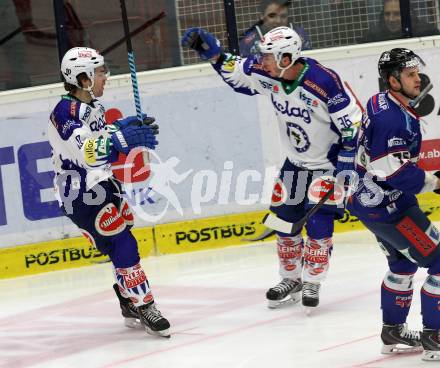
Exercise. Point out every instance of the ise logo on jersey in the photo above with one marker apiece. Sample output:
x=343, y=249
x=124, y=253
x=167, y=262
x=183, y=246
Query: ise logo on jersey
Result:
x=274, y=88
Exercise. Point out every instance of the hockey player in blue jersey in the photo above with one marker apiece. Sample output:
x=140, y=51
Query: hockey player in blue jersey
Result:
x=318, y=119
x=83, y=148
x=386, y=162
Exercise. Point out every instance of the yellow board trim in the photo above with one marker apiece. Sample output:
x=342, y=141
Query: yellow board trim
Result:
x=208, y=233
x=61, y=254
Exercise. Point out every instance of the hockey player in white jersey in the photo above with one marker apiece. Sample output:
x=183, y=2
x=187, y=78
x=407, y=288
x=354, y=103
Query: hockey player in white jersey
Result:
x=318, y=120
x=83, y=148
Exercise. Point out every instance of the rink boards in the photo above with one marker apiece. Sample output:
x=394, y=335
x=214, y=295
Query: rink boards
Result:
x=211, y=133
x=177, y=237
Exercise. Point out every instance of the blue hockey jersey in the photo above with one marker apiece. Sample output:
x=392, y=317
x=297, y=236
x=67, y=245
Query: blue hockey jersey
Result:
x=386, y=161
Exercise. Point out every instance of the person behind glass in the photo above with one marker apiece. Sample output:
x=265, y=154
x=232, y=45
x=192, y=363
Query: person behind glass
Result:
x=384, y=200
x=274, y=13
x=83, y=148
x=317, y=118
x=389, y=26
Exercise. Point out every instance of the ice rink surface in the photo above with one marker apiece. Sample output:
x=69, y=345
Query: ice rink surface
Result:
x=215, y=301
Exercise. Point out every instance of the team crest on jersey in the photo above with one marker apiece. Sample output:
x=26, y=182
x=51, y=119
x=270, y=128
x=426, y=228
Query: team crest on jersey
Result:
x=279, y=193
x=298, y=137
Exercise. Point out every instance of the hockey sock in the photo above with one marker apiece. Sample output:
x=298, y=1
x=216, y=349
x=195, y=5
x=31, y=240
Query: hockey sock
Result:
x=396, y=297
x=290, y=256
x=316, y=259
x=430, y=299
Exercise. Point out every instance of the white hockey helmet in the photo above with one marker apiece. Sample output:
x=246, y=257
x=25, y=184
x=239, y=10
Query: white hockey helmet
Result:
x=80, y=60
x=280, y=41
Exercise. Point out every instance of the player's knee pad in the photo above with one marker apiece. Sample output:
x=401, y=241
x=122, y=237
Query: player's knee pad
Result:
x=290, y=255
x=320, y=226
x=316, y=258
x=133, y=284
x=123, y=251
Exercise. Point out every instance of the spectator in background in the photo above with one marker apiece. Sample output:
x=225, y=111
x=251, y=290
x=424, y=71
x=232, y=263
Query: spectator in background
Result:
x=274, y=13
x=389, y=26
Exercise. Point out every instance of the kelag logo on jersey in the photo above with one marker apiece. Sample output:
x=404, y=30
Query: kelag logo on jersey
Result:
x=296, y=112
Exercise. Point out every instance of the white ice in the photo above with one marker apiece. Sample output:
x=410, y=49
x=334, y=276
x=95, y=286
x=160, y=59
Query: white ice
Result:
x=215, y=301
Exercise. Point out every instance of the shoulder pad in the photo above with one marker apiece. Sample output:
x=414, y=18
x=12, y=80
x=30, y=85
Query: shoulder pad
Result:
x=63, y=120
x=84, y=112
x=378, y=103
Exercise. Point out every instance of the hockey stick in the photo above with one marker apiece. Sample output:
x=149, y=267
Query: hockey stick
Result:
x=133, y=33
x=131, y=62
x=276, y=224
x=421, y=96
x=355, y=97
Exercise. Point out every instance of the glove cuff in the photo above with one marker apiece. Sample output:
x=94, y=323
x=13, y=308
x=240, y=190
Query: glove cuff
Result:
x=121, y=139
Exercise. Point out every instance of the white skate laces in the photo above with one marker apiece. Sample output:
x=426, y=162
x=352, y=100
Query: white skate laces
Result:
x=310, y=294
x=153, y=321
x=287, y=291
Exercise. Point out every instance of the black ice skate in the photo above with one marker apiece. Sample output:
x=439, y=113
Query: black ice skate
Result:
x=310, y=294
x=128, y=310
x=287, y=291
x=398, y=339
x=153, y=321
x=431, y=344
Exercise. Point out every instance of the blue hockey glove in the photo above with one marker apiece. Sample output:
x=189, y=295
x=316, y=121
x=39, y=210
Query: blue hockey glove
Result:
x=133, y=136
x=133, y=120
x=201, y=41
x=345, y=165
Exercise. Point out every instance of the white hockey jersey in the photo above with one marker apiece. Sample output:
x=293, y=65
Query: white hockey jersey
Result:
x=80, y=141
x=317, y=115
